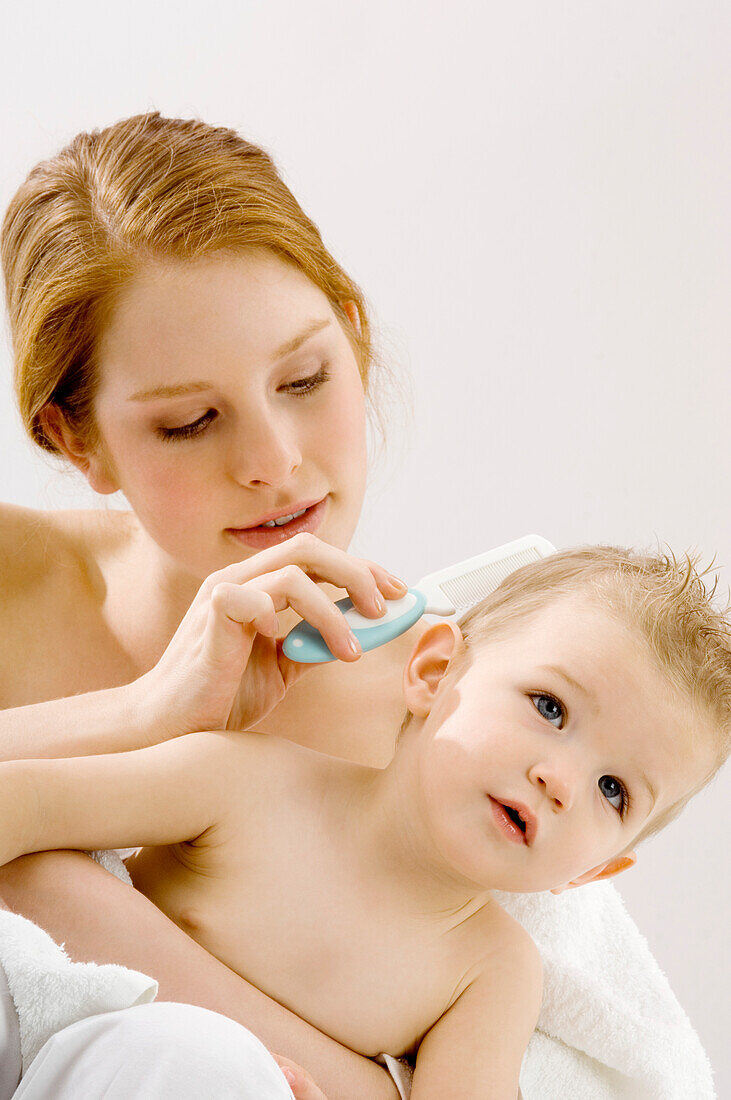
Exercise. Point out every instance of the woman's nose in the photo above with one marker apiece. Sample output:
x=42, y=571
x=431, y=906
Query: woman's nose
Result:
x=265, y=452
x=555, y=783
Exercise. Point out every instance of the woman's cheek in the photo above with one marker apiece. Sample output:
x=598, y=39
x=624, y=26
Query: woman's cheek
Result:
x=346, y=429
x=166, y=495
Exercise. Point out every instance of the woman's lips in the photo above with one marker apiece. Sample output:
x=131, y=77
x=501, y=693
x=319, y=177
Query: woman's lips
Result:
x=260, y=537
x=505, y=823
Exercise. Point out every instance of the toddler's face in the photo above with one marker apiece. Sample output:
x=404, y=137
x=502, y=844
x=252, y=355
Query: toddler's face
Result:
x=546, y=758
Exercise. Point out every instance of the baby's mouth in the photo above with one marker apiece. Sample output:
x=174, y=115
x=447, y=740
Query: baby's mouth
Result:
x=516, y=820
x=515, y=816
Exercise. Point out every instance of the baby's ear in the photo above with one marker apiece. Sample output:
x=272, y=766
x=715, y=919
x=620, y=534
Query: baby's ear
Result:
x=604, y=870
x=427, y=665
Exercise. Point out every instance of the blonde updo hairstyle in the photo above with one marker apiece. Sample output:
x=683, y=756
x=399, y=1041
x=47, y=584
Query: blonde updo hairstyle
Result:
x=145, y=189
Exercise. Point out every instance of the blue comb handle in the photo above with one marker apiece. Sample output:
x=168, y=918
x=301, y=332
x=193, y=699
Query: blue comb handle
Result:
x=307, y=646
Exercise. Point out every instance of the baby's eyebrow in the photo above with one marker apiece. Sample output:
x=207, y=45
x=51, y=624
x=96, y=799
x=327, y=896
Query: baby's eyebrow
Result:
x=588, y=694
x=591, y=697
x=651, y=790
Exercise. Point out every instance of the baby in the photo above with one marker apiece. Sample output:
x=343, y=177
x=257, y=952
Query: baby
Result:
x=572, y=713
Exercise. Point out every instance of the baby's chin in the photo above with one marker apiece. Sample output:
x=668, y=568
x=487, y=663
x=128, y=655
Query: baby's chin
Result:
x=527, y=883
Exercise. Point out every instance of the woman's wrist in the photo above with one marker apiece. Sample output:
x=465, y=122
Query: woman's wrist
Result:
x=151, y=717
x=111, y=720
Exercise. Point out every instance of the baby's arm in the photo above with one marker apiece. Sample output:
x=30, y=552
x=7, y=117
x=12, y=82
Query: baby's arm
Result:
x=158, y=795
x=476, y=1048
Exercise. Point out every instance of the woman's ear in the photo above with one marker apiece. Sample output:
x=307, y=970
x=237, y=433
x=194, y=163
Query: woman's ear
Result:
x=604, y=870
x=427, y=665
x=351, y=312
x=85, y=458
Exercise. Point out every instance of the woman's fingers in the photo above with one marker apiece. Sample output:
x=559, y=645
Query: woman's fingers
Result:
x=247, y=604
x=366, y=582
x=256, y=602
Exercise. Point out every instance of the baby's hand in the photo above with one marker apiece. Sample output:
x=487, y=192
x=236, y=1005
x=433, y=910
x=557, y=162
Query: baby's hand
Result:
x=231, y=628
x=299, y=1080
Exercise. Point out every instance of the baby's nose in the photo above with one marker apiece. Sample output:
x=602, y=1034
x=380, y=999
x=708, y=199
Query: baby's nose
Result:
x=555, y=783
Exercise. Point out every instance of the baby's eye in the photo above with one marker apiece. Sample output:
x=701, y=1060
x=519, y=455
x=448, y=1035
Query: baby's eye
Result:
x=615, y=793
x=549, y=708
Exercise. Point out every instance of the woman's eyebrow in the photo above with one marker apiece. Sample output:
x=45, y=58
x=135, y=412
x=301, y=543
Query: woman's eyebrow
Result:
x=297, y=341
x=197, y=387
x=171, y=391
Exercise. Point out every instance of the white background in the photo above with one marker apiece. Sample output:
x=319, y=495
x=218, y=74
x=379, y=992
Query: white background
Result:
x=535, y=198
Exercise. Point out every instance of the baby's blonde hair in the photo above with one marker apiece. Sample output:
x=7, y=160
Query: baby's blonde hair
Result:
x=668, y=600
x=145, y=189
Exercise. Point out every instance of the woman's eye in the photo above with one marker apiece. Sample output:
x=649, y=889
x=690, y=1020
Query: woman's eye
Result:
x=549, y=708
x=188, y=431
x=302, y=386
x=615, y=793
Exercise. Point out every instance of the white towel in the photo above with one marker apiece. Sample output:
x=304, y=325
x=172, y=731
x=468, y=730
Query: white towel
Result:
x=610, y=1025
x=50, y=991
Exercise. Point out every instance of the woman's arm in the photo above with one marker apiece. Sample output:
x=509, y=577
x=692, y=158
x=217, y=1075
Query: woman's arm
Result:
x=197, y=683
x=99, y=918
x=114, y=720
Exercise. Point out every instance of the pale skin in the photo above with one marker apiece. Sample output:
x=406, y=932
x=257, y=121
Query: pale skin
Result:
x=91, y=600
x=398, y=944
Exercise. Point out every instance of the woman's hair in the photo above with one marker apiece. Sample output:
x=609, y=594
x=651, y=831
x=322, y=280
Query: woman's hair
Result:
x=145, y=189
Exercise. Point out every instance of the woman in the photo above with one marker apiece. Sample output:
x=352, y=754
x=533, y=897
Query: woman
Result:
x=182, y=334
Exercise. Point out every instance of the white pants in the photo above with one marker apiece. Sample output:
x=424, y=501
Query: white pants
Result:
x=158, y=1051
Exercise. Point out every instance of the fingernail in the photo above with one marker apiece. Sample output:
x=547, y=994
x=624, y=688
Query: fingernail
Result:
x=380, y=605
x=395, y=581
x=353, y=645
x=289, y=1075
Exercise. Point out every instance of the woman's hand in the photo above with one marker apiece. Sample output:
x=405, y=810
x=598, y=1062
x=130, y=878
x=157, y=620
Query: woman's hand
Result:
x=299, y=1080
x=232, y=626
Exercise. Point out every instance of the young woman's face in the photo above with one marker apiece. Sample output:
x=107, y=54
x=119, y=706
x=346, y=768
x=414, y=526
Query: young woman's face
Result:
x=229, y=396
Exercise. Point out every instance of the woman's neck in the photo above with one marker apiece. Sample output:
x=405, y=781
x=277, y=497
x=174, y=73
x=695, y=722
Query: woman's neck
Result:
x=146, y=595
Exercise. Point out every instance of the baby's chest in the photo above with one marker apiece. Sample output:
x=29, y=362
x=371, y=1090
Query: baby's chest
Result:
x=305, y=935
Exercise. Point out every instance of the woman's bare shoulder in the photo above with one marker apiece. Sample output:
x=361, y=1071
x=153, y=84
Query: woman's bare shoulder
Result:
x=38, y=545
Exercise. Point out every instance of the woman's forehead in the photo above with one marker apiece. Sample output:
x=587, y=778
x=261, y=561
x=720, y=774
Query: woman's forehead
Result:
x=178, y=316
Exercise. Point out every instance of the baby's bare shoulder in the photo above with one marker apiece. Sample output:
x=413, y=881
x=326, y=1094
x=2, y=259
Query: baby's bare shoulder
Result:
x=256, y=765
x=506, y=951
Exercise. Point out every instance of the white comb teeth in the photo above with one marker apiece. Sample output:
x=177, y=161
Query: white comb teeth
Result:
x=459, y=587
x=465, y=591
